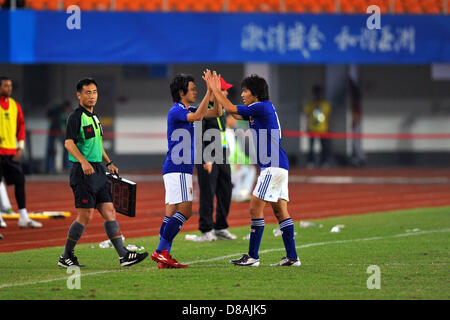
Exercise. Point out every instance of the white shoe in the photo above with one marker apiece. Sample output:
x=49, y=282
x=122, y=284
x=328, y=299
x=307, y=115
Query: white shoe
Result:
x=225, y=234
x=206, y=236
x=29, y=224
x=7, y=211
x=287, y=262
x=2, y=224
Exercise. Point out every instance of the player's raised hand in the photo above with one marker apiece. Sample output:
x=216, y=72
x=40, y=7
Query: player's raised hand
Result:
x=208, y=78
x=216, y=79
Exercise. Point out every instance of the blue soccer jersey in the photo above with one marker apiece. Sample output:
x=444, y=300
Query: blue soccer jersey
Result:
x=177, y=120
x=262, y=115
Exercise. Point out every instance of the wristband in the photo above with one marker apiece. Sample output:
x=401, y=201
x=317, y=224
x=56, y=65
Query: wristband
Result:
x=108, y=164
x=21, y=144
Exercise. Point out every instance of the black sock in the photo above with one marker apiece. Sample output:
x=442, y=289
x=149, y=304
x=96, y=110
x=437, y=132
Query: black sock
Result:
x=75, y=232
x=115, y=235
x=19, y=192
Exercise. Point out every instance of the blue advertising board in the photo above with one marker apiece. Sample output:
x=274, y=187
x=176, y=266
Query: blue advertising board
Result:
x=149, y=38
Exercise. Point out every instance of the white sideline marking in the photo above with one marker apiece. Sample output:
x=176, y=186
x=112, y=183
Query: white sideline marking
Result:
x=329, y=242
x=234, y=255
x=49, y=280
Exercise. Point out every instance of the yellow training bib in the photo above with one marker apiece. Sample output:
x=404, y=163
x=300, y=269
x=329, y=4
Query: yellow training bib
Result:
x=8, y=126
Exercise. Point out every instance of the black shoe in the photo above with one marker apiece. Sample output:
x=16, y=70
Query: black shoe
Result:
x=246, y=260
x=69, y=262
x=132, y=258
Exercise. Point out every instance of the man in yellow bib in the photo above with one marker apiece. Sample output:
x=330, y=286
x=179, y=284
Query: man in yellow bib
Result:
x=318, y=116
x=12, y=128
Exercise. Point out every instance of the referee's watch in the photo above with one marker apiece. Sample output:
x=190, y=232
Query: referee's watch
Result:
x=108, y=164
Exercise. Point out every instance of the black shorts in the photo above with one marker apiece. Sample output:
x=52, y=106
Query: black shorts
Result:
x=11, y=170
x=91, y=190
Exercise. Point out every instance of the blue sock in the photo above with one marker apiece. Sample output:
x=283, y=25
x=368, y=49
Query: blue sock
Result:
x=163, y=226
x=287, y=232
x=257, y=229
x=172, y=228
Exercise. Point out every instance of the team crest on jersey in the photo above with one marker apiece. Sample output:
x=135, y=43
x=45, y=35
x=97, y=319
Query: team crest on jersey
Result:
x=6, y=116
x=190, y=190
x=252, y=122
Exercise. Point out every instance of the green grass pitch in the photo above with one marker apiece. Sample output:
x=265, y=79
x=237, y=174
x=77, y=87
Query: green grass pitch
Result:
x=413, y=264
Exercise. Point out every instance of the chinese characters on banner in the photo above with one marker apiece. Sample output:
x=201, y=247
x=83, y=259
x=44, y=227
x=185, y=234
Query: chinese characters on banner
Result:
x=308, y=39
x=386, y=40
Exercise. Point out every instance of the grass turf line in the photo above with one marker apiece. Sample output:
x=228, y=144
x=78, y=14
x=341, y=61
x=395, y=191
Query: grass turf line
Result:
x=333, y=265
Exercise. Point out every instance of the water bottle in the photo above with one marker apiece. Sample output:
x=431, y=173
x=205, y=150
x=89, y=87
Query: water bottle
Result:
x=105, y=244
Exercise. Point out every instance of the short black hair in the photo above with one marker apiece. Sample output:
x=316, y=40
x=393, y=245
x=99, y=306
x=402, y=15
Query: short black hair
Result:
x=257, y=86
x=85, y=82
x=3, y=78
x=180, y=82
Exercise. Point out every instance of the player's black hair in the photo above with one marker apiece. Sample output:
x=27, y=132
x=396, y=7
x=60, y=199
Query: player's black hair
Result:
x=3, y=78
x=85, y=82
x=257, y=86
x=180, y=82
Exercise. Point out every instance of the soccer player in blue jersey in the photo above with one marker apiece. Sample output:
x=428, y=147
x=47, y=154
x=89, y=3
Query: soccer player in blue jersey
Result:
x=272, y=184
x=179, y=162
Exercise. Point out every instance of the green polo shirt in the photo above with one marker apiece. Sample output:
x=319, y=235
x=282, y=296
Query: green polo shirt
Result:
x=85, y=130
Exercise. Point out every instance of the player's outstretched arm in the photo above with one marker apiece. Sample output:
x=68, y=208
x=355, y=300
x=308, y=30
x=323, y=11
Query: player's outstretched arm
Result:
x=201, y=110
x=71, y=147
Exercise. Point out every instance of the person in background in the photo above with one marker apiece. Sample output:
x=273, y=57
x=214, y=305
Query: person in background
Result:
x=243, y=173
x=5, y=205
x=12, y=128
x=57, y=117
x=358, y=158
x=214, y=179
x=318, y=112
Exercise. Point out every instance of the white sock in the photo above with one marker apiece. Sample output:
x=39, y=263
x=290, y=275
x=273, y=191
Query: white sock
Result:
x=1, y=218
x=4, y=199
x=23, y=214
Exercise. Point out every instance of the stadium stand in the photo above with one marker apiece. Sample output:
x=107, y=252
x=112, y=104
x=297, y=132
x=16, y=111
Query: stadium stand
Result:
x=268, y=6
x=126, y=5
x=152, y=5
x=43, y=4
